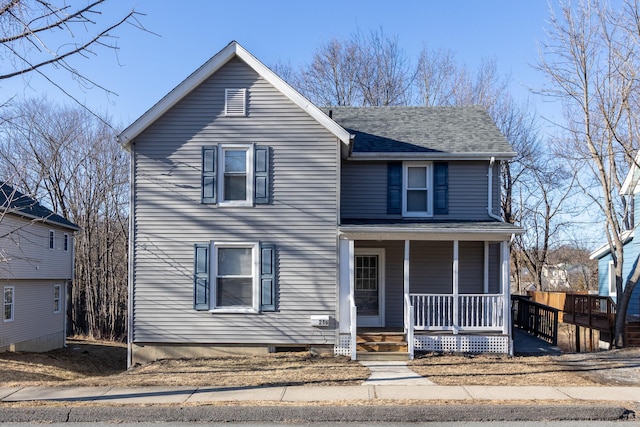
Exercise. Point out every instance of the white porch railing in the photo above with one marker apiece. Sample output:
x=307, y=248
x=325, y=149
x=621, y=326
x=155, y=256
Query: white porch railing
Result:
x=468, y=312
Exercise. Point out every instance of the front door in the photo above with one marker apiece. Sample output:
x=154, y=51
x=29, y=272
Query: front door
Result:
x=369, y=286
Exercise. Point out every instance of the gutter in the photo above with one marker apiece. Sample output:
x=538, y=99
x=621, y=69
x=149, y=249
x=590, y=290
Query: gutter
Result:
x=490, y=192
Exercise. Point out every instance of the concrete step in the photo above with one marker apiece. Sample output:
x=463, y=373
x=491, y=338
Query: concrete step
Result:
x=378, y=356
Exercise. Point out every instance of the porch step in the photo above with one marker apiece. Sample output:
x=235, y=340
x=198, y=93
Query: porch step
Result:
x=381, y=342
x=391, y=356
x=381, y=347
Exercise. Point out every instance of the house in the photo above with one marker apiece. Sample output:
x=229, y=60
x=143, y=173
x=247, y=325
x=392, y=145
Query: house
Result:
x=36, y=270
x=260, y=222
x=631, y=249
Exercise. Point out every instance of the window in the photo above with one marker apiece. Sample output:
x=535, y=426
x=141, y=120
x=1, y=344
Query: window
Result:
x=8, y=303
x=66, y=242
x=52, y=239
x=417, y=200
x=236, y=186
x=235, y=175
x=612, y=279
x=234, y=277
x=235, y=269
x=235, y=102
x=57, y=292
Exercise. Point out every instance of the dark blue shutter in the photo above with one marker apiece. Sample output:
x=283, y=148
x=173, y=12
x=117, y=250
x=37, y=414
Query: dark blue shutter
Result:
x=261, y=175
x=201, y=276
x=268, y=277
x=209, y=169
x=394, y=188
x=441, y=188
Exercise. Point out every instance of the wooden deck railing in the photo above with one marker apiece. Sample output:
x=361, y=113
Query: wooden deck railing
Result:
x=447, y=312
x=591, y=311
x=537, y=319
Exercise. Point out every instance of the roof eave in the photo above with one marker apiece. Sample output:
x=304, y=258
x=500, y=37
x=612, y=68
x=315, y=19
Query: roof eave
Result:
x=233, y=49
x=21, y=214
x=431, y=155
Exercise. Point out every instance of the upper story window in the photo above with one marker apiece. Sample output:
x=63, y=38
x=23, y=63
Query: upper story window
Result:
x=235, y=175
x=52, y=239
x=8, y=303
x=236, y=186
x=235, y=102
x=417, y=189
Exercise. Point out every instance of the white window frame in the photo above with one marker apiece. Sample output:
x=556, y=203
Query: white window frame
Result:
x=249, y=169
x=57, y=300
x=12, y=303
x=612, y=279
x=234, y=112
x=52, y=239
x=255, y=267
x=429, y=189
x=66, y=242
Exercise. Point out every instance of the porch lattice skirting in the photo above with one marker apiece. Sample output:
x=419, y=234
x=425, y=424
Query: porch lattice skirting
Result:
x=343, y=347
x=462, y=343
x=443, y=343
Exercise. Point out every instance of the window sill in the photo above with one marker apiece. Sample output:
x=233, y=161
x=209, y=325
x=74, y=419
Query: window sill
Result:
x=236, y=204
x=234, y=311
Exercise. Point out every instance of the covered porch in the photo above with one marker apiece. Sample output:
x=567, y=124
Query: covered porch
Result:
x=445, y=286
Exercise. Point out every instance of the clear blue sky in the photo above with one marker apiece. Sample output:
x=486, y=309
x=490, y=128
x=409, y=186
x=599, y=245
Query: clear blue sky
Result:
x=190, y=32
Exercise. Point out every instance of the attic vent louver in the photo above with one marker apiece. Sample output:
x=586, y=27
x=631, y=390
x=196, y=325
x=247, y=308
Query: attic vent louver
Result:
x=235, y=102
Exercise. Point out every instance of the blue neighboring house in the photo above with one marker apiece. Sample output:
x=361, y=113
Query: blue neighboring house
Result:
x=631, y=248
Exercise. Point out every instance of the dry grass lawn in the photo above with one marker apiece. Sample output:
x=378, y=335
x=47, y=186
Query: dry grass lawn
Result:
x=93, y=363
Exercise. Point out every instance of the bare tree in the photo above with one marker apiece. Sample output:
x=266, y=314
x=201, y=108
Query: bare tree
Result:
x=67, y=159
x=36, y=35
x=591, y=62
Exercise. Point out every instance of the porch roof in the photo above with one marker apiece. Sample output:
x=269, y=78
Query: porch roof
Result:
x=427, y=230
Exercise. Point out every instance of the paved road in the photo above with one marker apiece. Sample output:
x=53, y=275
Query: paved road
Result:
x=314, y=414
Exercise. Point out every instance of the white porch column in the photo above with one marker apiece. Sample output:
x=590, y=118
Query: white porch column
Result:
x=346, y=284
x=405, y=280
x=455, y=287
x=505, y=286
x=486, y=267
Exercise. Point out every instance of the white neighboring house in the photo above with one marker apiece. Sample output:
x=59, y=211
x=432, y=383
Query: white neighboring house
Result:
x=36, y=270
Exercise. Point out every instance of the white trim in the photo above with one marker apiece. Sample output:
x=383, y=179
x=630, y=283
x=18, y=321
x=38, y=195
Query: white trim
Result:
x=232, y=50
x=346, y=248
x=611, y=279
x=249, y=148
x=12, y=303
x=630, y=184
x=255, y=271
x=456, y=284
x=378, y=320
x=625, y=237
x=428, y=166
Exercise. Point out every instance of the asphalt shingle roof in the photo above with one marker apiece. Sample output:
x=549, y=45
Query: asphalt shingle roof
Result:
x=13, y=201
x=446, y=130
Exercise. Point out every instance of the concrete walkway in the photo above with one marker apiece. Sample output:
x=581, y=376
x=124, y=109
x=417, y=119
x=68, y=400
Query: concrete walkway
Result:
x=178, y=395
x=392, y=373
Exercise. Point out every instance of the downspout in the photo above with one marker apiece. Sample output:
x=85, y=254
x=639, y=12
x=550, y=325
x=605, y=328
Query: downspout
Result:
x=490, y=192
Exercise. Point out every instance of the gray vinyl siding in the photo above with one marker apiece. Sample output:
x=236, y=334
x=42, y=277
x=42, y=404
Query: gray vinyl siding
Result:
x=494, y=268
x=431, y=267
x=364, y=191
x=471, y=267
x=25, y=253
x=33, y=315
x=169, y=218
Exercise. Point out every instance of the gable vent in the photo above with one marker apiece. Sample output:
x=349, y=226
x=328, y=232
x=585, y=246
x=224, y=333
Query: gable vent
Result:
x=235, y=102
